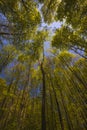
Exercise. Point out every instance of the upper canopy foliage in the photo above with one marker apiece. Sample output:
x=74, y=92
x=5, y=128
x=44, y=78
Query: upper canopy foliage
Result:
x=21, y=19
x=43, y=87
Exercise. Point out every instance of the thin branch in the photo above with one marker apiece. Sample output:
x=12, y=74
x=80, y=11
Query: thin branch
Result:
x=8, y=33
x=78, y=53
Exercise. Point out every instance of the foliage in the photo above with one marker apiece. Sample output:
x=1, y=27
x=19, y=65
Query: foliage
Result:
x=37, y=91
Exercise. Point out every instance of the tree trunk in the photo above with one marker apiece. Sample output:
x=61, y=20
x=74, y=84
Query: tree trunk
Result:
x=43, y=99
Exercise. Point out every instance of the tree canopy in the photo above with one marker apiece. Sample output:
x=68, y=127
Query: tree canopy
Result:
x=43, y=72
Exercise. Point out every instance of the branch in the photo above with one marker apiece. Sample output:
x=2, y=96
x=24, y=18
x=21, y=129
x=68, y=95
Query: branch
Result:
x=24, y=5
x=7, y=33
x=78, y=53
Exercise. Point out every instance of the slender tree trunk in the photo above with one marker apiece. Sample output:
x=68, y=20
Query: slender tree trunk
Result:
x=43, y=99
x=76, y=75
x=52, y=113
x=70, y=127
x=58, y=106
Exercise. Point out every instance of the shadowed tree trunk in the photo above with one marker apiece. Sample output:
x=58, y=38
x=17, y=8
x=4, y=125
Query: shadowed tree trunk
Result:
x=43, y=94
x=58, y=106
x=43, y=99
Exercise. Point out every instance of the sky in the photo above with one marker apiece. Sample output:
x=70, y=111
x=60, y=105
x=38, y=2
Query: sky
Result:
x=52, y=26
x=49, y=27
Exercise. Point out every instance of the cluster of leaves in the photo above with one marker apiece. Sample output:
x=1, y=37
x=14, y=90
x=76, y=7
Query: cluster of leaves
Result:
x=66, y=38
x=49, y=9
x=39, y=92
x=21, y=19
